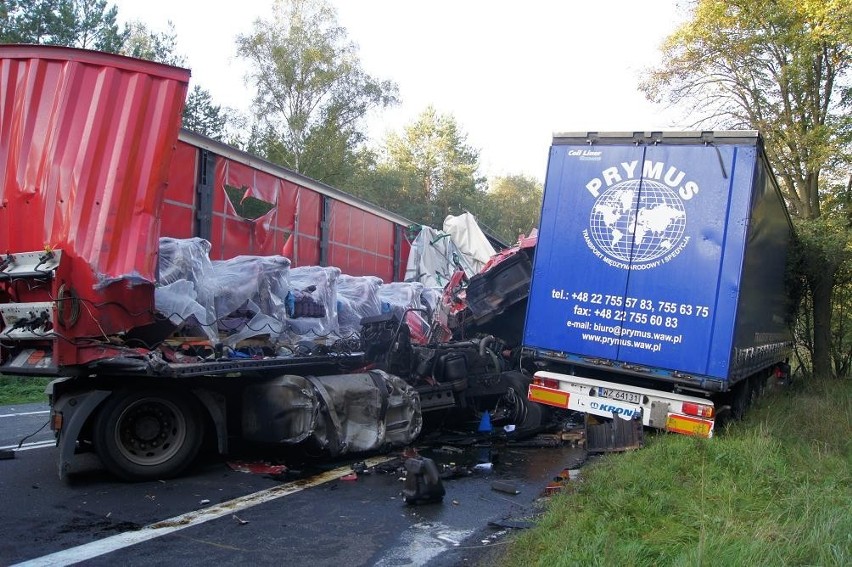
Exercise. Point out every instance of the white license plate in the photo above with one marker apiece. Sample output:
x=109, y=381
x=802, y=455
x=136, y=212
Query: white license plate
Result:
x=620, y=395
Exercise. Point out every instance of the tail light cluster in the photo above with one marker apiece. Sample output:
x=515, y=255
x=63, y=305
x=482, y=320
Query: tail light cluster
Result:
x=698, y=410
x=546, y=382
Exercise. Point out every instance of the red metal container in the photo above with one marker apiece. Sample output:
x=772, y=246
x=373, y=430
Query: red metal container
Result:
x=86, y=139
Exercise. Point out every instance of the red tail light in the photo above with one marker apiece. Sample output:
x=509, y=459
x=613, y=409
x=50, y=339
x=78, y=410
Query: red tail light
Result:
x=698, y=410
x=546, y=382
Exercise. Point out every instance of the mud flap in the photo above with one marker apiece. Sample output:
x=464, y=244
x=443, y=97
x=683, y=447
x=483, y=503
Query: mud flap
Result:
x=613, y=435
x=75, y=411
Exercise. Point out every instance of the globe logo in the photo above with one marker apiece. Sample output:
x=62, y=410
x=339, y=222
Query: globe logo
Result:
x=637, y=221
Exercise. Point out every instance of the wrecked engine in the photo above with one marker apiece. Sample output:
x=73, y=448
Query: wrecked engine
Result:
x=458, y=382
x=336, y=414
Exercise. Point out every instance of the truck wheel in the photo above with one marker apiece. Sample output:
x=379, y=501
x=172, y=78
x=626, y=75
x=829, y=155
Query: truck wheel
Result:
x=740, y=398
x=143, y=435
x=758, y=385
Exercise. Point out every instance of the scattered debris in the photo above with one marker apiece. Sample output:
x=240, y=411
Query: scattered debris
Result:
x=422, y=482
x=511, y=524
x=560, y=481
x=204, y=502
x=505, y=486
x=448, y=450
x=484, y=454
x=452, y=470
x=260, y=467
x=350, y=477
x=388, y=467
x=239, y=520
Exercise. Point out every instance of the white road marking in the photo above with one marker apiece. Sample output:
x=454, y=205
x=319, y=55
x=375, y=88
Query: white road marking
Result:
x=177, y=523
x=43, y=412
x=33, y=445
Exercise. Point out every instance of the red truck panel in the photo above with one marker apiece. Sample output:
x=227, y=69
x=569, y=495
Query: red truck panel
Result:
x=178, y=214
x=85, y=143
x=360, y=243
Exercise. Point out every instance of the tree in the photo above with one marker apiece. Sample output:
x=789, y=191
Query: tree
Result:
x=144, y=43
x=783, y=69
x=514, y=206
x=87, y=24
x=202, y=116
x=311, y=92
x=436, y=170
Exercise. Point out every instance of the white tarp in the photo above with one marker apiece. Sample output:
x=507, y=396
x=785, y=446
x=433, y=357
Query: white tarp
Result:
x=469, y=239
x=435, y=254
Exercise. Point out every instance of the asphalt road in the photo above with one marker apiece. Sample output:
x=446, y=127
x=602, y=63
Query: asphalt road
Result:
x=215, y=514
x=24, y=422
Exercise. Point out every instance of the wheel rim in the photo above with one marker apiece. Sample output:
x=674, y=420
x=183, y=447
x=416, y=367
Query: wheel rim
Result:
x=150, y=431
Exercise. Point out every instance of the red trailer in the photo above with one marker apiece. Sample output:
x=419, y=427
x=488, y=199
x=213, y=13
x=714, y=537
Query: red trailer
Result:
x=96, y=171
x=245, y=205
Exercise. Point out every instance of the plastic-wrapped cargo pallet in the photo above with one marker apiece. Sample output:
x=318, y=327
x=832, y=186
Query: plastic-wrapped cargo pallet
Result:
x=184, y=293
x=357, y=297
x=312, y=303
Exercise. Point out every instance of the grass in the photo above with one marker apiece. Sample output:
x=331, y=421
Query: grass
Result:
x=774, y=489
x=22, y=389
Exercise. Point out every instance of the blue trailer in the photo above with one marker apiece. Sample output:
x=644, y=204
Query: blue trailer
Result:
x=658, y=288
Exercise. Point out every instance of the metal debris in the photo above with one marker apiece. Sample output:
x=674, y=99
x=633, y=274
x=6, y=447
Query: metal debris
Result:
x=422, y=482
x=505, y=486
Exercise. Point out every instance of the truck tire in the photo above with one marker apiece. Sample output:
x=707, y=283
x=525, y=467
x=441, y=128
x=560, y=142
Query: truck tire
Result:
x=757, y=383
x=740, y=399
x=147, y=435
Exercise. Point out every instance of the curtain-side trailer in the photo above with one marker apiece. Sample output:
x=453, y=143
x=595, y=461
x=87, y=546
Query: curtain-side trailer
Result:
x=658, y=288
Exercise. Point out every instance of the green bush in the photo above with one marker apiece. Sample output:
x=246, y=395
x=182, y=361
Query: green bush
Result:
x=22, y=389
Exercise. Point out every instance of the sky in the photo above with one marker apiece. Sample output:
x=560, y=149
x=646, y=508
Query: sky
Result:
x=511, y=73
